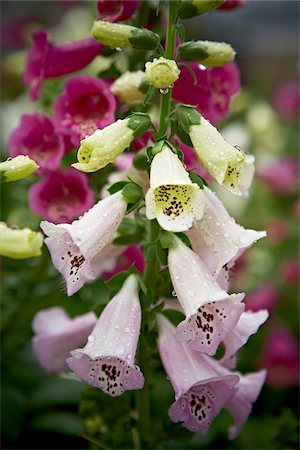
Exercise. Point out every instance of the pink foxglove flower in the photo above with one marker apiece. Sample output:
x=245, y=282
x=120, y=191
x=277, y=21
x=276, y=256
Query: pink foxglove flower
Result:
x=75, y=246
x=213, y=92
x=192, y=162
x=217, y=238
x=35, y=136
x=287, y=100
x=133, y=255
x=290, y=271
x=232, y=4
x=56, y=335
x=281, y=358
x=200, y=393
x=61, y=196
x=172, y=198
x=248, y=324
x=210, y=312
x=280, y=175
x=107, y=360
x=117, y=10
x=265, y=297
x=85, y=105
x=48, y=60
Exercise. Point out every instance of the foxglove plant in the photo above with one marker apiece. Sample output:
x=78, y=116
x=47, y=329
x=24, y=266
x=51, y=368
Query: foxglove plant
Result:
x=158, y=229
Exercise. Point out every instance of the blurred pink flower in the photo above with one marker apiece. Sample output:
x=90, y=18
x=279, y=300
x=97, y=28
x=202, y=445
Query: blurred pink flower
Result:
x=281, y=358
x=213, y=91
x=277, y=230
x=56, y=335
x=287, y=100
x=290, y=271
x=117, y=10
x=48, y=60
x=192, y=162
x=85, y=105
x=232, y=4
x=143, y=141
x=61, y=196
x=280, y=175
x=35, y=136
x=265, y=297
x=133, y=255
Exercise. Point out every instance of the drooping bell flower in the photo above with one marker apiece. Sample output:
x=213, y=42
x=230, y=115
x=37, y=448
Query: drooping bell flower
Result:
x=56, y=335
x=19, y=243
x=104, y=146
x=36, y=137
x=210, y=312
x=117, y=10
x=265, y=297
x=17, y=168
x=217, y=238
x=192, y=162
x=49, y=60
x=212, y=93
x=172, y=198
x=61, y=196
x=211, y=54
x=248, y=324
x=200, y=393
x=73, y=247
x=85, y=105
x=107, y=360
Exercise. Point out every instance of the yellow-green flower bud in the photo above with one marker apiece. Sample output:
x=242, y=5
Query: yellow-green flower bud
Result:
x=17, y=168
x=19, y=244
x=127, y=87
x=211, y=54
x=117, y=35
x=191, y=8
x=162, y=73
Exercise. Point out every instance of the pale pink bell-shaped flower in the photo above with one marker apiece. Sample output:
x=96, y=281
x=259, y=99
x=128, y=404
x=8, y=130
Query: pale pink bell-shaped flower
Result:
x=117, y=10
x=48, y=60
x=199, y=392
x=217, y=238
x=210, y=312
x=85, y=105
x=56, y=335
x=74, y=247
x=107, y=360
x=61, y=196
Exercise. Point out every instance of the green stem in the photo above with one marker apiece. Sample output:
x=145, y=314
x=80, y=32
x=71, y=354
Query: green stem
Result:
x=165, y=100
x=143, y=397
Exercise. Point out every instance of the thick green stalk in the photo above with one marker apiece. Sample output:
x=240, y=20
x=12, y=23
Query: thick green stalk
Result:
x=165, y=100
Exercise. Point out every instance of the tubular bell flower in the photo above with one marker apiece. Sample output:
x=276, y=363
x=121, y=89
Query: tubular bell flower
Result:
x=172, y=198
x=210, y=312
x=49, y=60
x=61, y=196
x=56, y=335
x=217, y=238
x=118, y=10
x=104, y=146
x=211, y=54
x=17, y=168
x=74, y=247
x=19, y=243
x=128, y=87
x=107, y=360
x=35, y=137
x=200, y=393
x=85, y=105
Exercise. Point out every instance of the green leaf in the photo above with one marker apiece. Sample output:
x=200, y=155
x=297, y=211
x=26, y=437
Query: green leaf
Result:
x=174, y=124
x=180, y=30
x=116, y=282
x=162, y=254
x=127, y=239
x=117, y=186
x=197, y=179
x=133, y=192
x=152, y=91
x=184, y=239
x=166, y=239
x=140, y=161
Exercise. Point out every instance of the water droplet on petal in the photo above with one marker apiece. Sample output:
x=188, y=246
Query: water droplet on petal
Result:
x=164, y=91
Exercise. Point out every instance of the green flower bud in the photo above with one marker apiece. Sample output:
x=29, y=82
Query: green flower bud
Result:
x=19, y=244
x=211, y=54
x=127, y=87
x=104, y=146
x=17, y=168
x=191, y=8
x=162, y=73
x=116, y=35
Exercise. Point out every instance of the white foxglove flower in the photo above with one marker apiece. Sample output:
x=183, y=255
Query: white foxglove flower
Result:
x=217, y=238
x=75, y=247
x=210, y=312
x=172, y=198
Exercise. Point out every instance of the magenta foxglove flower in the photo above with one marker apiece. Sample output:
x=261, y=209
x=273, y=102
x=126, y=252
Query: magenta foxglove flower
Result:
x=290, y=271
x=117, y=10
x=85, y=105
x=192, y=161
x=74, y=247
x=107, y=360
x=287, y=100
x=61, y=196
x=35, y=136
x=210, y=312
x=200, y=393
x=232, y=4
x=265, y=297
x=48, y=60
x=132, y=255
x=248, y=324
x=281, y=358
x=280, y=175
x=217, y=238
x=56, y=335
x=212, y=93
